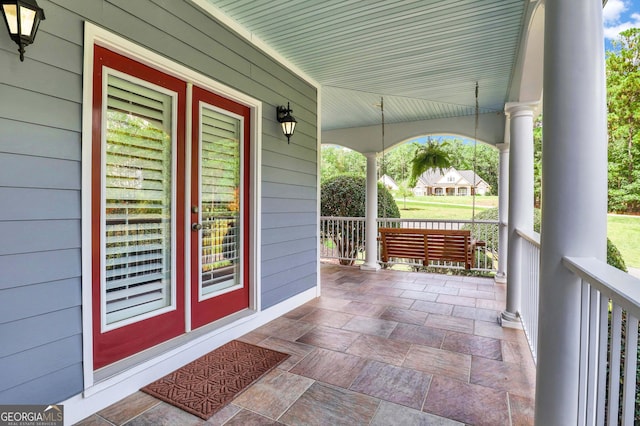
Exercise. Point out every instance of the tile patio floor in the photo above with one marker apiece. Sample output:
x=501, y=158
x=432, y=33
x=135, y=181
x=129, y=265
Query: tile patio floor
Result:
x=378, y=348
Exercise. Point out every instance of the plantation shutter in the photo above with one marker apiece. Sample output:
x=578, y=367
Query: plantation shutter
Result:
x=220, y=185
x=137, y=184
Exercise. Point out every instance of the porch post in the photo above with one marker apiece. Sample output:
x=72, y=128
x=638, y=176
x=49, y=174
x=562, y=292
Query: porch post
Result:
x=371, y=224
x=520, y=202
x=574, y=194
x=503, y=213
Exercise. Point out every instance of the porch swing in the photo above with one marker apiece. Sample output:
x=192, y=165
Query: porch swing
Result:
x=431, y=245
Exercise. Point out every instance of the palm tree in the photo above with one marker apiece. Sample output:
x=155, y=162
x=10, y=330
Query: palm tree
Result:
x=430, y=156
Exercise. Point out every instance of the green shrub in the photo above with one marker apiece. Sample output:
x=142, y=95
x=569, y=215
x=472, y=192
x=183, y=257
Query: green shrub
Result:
x=614, y=257
x=484, y=231
x=345, y=196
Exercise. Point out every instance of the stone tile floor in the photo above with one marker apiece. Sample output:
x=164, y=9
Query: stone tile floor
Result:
x=378, y=348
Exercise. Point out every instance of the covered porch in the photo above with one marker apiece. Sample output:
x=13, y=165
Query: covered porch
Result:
x=378, y=348
x=333, y=62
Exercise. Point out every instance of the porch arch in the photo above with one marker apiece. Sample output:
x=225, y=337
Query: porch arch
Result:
x=368, y=139
x=527, y=82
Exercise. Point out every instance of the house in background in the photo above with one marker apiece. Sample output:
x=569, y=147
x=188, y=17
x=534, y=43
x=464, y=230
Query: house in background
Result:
x=451, y=182
x=388, y=182
x=426, y=182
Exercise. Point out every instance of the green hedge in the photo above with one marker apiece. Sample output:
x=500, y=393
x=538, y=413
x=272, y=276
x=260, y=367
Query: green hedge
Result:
x=345, y=196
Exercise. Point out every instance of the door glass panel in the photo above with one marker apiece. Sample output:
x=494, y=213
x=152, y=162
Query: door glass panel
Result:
x=220, y=183
x=138, y=202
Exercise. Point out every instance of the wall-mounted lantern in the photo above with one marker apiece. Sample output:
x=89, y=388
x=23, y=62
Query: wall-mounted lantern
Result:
x=287, y=121
x=22, y=18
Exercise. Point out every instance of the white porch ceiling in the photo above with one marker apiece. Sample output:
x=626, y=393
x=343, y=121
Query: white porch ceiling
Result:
x=423, y=56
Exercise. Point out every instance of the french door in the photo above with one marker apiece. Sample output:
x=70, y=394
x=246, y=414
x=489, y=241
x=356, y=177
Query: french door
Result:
x=219, y=207
x=139, y=215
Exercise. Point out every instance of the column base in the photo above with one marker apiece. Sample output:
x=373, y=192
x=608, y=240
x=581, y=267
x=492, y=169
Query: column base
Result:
x=370, y=267
x=509, y=320
x=500, y=278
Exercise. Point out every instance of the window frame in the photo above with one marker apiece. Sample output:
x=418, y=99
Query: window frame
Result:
x=107, y=71
x=242, y=217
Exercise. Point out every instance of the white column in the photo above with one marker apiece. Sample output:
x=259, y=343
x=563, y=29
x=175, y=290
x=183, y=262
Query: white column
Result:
x=371, y=218
x=520, y=202
x=574, y=194
x=503, y=213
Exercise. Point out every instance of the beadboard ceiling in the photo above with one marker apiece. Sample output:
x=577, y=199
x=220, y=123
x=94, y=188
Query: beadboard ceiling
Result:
x=423, y=56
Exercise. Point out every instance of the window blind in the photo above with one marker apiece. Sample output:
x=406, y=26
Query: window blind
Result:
x=220, y=185
x=138, y=198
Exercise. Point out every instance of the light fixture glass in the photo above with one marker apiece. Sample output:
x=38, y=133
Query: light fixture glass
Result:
x=11, y=16
x=22, y=18
x=27, y=19
x=287, y=121
x=288, y=127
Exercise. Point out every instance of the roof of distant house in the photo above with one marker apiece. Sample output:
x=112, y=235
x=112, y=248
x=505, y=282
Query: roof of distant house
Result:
x=432, y=177
x=469, y=175
x=389, y=181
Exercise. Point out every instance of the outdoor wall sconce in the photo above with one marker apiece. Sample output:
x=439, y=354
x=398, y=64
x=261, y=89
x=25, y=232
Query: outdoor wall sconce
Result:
x=287, y=121
x=22, y=18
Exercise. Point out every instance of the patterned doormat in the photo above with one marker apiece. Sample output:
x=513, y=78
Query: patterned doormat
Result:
x=207, y=384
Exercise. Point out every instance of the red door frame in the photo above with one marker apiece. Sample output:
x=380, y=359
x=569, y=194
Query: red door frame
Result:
x=211, y=309
x=119, y=343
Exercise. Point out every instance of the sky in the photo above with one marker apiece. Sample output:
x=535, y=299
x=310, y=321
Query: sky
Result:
x=619, y=15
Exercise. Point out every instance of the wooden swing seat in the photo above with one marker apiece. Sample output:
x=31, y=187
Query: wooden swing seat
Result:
x=428, y=245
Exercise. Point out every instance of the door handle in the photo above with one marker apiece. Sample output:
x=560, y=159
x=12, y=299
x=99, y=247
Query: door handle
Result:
x=196, y=226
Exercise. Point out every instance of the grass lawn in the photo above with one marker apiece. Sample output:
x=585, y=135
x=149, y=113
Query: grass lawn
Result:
x=419, y=210
x=623, y=231
x=432, y=207
x=481, y=200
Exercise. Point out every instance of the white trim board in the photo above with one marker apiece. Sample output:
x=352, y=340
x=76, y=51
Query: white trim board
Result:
x=126, y=383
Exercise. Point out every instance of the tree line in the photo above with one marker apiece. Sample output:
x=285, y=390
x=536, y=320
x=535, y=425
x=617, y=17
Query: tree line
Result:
x=623, y=122
x=623, y=126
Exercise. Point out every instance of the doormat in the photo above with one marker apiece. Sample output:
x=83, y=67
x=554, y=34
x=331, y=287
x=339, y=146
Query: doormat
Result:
x=207, y=384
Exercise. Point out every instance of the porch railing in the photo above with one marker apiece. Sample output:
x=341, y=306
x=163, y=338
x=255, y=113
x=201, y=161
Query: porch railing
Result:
x=530, y=264
x=609, y=373
x=343, y=238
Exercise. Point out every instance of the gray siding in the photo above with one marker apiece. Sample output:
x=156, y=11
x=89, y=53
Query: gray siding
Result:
x=40, y=176
x=40, y=230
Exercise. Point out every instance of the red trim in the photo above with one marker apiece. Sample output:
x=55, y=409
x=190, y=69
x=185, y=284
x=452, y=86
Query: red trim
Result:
x=125, y=341
x=226, y=304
